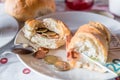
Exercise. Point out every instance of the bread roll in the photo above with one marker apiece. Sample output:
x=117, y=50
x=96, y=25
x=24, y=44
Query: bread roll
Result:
x=26, y=9
x=92, y=40
x=102, y=29
x=48, y=33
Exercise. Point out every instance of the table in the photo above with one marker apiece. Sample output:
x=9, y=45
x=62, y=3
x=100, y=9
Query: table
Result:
x=12, y=69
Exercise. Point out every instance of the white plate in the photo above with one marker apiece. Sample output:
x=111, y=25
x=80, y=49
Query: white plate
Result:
x=8, y=29
x=73, y=21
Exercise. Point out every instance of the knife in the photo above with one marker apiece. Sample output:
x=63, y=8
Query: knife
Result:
x=17, y=49
x=97, y=63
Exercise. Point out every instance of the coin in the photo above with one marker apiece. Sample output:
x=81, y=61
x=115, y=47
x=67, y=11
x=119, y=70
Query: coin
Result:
x=62, y=66
x=42, y=30
x=41, y=53
x=51, y=59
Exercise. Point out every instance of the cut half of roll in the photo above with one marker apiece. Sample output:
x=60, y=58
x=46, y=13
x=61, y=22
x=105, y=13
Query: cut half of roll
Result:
x=48, y=33
x=92, y=40
x=102, y=29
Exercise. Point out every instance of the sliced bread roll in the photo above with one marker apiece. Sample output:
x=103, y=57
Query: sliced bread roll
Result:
x=102, y=29
x=48, y=33
x=92, y=40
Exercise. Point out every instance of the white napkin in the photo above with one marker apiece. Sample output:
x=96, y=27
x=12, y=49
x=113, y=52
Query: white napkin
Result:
x=12, y=69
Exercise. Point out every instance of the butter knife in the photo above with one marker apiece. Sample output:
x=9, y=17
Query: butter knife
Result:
x=99, y=64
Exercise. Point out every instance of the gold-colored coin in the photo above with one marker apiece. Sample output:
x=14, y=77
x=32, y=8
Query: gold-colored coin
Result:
x=51, y=33
x=62, y=66
x=51, y=59
x=42, y=30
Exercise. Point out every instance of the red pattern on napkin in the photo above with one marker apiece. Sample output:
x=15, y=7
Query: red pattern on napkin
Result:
x=3, y=60
x=26, y=71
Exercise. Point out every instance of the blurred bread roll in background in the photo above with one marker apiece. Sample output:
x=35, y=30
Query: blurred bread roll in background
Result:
x=26, y=9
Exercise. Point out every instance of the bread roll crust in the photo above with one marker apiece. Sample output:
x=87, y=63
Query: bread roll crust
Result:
x=90, y=40
x=26, y=9
x=103, y=29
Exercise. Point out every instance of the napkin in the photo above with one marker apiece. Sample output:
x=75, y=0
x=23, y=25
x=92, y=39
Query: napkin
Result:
x=12, y=69
x=113, y=62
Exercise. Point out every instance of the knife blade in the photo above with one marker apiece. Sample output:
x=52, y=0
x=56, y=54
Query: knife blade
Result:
x=99, y=64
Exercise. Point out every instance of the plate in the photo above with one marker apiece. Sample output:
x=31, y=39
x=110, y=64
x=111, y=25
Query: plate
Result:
x=73, y=20
x=8, y=29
